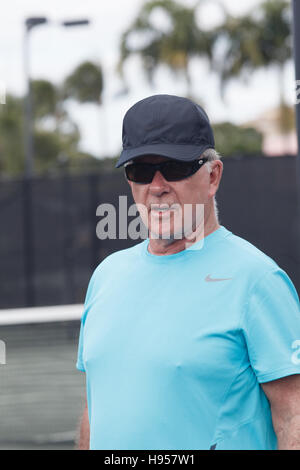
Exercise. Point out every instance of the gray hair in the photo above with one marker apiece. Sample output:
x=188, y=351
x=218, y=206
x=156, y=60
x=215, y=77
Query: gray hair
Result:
x=212, y=155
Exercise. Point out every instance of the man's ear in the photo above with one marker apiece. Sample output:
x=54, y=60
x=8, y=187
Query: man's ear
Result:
x=215, y=176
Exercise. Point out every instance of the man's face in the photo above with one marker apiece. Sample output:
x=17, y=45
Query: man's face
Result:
x=166, y=205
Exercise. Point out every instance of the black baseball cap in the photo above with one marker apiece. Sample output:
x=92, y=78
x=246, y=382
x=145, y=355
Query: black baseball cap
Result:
x=165, y=125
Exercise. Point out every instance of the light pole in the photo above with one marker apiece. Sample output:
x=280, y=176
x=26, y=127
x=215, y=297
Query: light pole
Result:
x=27, y=199
x=296, y=43
x=296, y=37
x=31, y=23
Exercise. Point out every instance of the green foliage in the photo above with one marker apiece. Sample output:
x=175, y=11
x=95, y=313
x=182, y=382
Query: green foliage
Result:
x=44, y=98
x=234, y=140
x=274, y=23
x=11, y=136
x=47, y=146
x=241, y=54
x=56, y=136
x=85, y=84
x=235, y=49
x=174, y=47
x=259, y=39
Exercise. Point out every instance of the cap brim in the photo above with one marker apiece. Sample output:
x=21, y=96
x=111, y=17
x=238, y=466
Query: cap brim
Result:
x=177, y=152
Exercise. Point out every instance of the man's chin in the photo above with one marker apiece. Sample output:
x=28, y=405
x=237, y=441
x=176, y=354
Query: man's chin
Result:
x=161, y=235
x=191, y=236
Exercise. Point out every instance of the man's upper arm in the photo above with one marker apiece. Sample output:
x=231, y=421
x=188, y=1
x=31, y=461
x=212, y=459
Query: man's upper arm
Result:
x=283, y=395
x=84, y=431
x=271, y=326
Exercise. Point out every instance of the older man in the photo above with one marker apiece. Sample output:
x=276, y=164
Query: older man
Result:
x=188, y=338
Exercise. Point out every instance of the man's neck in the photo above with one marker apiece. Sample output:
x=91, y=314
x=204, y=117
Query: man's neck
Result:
x=161, y=247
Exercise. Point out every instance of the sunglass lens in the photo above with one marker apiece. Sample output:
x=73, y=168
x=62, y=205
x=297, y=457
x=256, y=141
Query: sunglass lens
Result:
x=172, y=170
x=139, y=173
x=175, y=171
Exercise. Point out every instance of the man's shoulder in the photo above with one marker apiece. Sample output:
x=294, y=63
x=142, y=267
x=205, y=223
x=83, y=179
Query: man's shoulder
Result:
x=119, y=257
x=250, y=266
x=247, y=255
x=115, y=264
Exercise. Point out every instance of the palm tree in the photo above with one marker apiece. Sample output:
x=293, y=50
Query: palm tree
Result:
x=45, y=98
x=257, y=40
x=173, y=47
x=85, y=83
x=274, y=39
x=55, y=133
x=240, y=56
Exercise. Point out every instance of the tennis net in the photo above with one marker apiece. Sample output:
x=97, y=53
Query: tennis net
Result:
x=41, y=391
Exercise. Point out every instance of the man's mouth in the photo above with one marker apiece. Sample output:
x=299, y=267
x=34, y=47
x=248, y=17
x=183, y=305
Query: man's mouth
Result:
x=161, y=209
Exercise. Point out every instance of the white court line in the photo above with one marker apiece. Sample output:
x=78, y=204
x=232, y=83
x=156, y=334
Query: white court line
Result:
x=14, y=316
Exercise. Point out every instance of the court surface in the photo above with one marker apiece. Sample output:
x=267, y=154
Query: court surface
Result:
x=41, y=391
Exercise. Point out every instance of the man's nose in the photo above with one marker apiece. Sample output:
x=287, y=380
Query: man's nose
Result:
x=159, y=184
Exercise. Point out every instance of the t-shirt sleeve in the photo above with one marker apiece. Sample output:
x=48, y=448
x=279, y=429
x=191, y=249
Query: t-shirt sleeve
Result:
x=271, y=326
x=80, y=361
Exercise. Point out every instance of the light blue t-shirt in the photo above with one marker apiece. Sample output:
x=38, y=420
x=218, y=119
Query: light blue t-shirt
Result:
x=175, y=347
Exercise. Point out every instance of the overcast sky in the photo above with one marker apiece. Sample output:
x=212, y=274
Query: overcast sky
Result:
x=56, y=51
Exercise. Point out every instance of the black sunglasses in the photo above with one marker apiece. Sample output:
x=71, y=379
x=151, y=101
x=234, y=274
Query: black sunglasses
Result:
x=172, y=170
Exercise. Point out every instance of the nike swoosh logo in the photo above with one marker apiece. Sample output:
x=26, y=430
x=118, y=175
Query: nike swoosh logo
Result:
x=215, y=279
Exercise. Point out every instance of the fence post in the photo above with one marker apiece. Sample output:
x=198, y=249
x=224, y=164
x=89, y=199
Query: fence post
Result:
x=296, y=42
x=93, y=179
x=68, y=238
x=28, y=245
